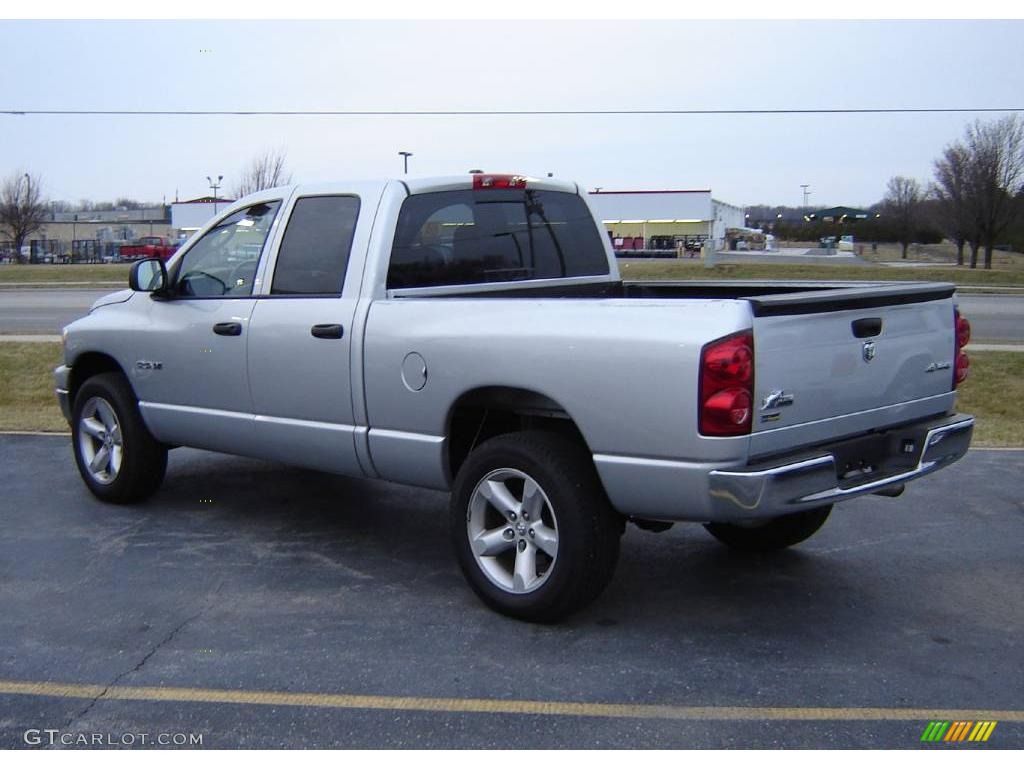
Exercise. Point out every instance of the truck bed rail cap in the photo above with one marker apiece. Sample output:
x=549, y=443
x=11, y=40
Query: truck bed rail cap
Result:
x=878, y=295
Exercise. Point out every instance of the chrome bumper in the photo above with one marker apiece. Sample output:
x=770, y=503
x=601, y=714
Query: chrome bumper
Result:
x=60, y=378
x=814, y=481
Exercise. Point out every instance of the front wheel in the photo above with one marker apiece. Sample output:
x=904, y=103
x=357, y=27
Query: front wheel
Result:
x=776, y=533
x=117, y=457
x=532, y=529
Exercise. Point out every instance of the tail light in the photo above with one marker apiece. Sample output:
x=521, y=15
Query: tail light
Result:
x=961, y=363
x=498, y=181
x=727, y=386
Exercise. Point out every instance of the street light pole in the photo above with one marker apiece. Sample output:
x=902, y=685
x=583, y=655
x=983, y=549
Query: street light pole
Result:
x=405, y=161
x=214, y=185
x=807, y=194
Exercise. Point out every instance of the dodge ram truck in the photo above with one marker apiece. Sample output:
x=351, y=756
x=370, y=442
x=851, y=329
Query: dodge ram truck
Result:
x=472, y=334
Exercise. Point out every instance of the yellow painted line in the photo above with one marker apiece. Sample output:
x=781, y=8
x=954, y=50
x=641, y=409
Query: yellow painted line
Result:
x=490, y=706
x=988, y=732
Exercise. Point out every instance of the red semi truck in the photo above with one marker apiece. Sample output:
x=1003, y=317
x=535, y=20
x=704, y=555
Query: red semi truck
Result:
x=149, y=248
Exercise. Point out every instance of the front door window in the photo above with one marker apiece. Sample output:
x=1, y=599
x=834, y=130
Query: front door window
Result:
x=224, y=261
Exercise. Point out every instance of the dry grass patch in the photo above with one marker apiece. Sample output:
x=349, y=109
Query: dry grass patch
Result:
x=64, y=273
x=993, y=392
x=27, y=401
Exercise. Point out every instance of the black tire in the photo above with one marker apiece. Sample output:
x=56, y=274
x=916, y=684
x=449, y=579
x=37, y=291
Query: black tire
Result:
x=587, y=528
x=777, y=533
x=143, y=460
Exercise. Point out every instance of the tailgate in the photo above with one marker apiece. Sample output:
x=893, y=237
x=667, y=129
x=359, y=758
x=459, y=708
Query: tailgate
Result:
x=836, y=363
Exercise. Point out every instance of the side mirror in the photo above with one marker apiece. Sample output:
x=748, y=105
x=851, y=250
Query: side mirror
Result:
x=149, y=275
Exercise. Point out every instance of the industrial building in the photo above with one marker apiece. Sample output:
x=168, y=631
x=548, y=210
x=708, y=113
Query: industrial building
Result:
x=94, y=235
x=665, y=220
x=99, y=235
x=187, y=216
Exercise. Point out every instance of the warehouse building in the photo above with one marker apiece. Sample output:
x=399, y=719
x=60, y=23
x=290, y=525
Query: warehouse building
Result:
x=672, y=220
x=99, y=235
x=93, y=235
x=188, y=216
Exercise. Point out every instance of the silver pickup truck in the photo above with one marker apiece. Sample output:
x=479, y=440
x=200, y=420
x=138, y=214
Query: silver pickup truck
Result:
x=472, y=334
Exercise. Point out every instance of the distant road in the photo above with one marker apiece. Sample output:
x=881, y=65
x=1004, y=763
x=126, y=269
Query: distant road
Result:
x=994, y=318
x=43, y=311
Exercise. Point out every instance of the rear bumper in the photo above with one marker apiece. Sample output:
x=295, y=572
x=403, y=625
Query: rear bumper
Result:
x=812, y=481
x=874, y=462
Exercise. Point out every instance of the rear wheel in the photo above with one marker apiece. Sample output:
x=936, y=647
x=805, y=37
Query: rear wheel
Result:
x=117, y=457
x=532, y=529
x=776, y=533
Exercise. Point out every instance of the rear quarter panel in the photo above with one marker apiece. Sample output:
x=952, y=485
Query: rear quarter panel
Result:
x=624, y=370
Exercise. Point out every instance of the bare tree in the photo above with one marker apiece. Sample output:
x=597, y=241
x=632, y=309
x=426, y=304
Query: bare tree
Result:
x=263, y=172
x=951, y=191
x=902, y=206
x=995, y=176
x=22, y=209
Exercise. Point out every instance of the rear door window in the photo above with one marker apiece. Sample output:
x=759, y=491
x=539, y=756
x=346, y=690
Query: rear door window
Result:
x=315, y=248
x=494, y=235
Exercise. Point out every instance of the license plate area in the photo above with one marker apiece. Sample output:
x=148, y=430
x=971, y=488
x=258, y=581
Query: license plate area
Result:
x=870, y=457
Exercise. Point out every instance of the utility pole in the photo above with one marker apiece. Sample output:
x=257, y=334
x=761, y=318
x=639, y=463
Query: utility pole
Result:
x=405, y=161
x=214, y=185
x=28, y=197
x=807, y=194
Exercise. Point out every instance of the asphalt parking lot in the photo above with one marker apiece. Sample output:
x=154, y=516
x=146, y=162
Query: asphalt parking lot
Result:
x=254, y=604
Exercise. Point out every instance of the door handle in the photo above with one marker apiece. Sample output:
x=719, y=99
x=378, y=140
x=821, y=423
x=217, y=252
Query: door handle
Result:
x=228, y=329
x=328, y=331
x=867, y=327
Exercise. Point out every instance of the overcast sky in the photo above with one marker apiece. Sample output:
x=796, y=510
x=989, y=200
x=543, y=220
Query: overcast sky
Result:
x=501, y=65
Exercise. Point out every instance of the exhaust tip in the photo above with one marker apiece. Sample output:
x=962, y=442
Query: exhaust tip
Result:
x=892, y=491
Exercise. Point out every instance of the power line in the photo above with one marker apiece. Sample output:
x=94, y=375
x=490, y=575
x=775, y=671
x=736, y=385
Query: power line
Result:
x=496, y=112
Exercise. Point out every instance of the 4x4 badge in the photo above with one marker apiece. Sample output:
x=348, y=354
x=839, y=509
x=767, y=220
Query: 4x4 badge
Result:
x=869, y=351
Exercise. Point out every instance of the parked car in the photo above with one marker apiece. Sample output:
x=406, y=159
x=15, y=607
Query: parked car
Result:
x=148, y=248
x=472, y=334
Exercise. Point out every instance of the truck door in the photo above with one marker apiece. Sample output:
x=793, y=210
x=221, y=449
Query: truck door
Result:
x=300, y=344
x=190, y=368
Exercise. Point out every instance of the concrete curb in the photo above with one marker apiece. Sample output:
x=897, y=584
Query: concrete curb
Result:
x=995, y=347
x=61, y=285
x=29, y=433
